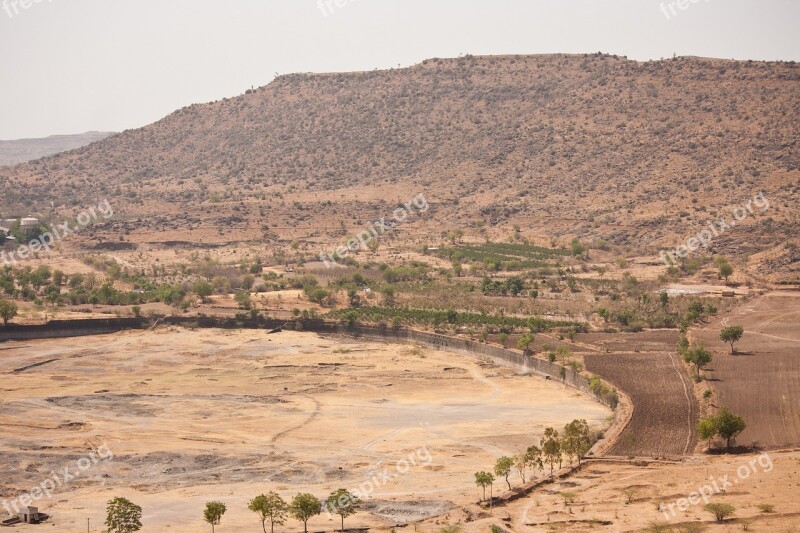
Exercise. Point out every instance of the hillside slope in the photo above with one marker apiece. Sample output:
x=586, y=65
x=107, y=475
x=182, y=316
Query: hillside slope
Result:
x=640, y=154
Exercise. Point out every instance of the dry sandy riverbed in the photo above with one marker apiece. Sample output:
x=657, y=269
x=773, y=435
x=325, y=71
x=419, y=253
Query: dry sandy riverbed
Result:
x=192, y=416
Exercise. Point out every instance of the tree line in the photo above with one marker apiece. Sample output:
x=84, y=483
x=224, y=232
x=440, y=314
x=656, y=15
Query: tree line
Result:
x=573, y=444
x=124, y=516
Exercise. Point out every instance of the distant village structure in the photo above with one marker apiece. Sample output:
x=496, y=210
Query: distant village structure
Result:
x=28, y=225
x=28, y=515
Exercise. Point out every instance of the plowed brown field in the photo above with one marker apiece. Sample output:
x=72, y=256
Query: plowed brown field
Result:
x=665, y=410
x=762, y=382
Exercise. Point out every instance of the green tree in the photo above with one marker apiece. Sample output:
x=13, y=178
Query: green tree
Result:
x=203, y=289
x=8, y=310
x=343, y=503
x=728, y=425
x=483, y=480
x=269, y=507
x=732, y=335
x=576, y=441
x=699, y=357
x=525, y=341
x=503, y=467
x=123, y=516
x=551, y=448
x=514, y=285
x=52, y=294
x=725, y=268
x=534, y=454
x=707, y=429
x=720, y=510
x=213, y=513
x=305, y=506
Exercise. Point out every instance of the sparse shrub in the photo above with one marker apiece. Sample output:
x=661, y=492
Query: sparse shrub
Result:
x=720, y=510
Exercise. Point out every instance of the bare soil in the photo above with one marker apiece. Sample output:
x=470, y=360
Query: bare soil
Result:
x=665, y=410
x=192, y=416
x=762, y=381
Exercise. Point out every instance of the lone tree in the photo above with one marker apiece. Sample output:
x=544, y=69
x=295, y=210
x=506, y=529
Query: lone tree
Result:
x=729, y=425
x=213, y=513
x=725, y=268
x=720, y=510
x=699, y=357
x=483, y=480
x=343, y=503
x=269, y=507
x=303, y=507
x=123, y=516
x=8, y=310
x=732, y=335
x=503, y=468
x=525, y=341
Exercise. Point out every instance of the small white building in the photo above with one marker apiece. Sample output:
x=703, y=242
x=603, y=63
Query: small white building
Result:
x=29, y=223
x=30, y=515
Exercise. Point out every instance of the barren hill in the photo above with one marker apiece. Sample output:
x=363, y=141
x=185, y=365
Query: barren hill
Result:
x=641, y=154
x=23, y=150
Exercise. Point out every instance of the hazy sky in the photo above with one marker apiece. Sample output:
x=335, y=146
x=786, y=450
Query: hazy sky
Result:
x=70, y=66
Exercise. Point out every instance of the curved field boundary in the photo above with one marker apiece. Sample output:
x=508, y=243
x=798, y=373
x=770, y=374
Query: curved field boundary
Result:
x=518, y=360
x=663, y=423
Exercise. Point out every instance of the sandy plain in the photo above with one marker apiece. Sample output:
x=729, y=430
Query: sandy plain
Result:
x=192, y=416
